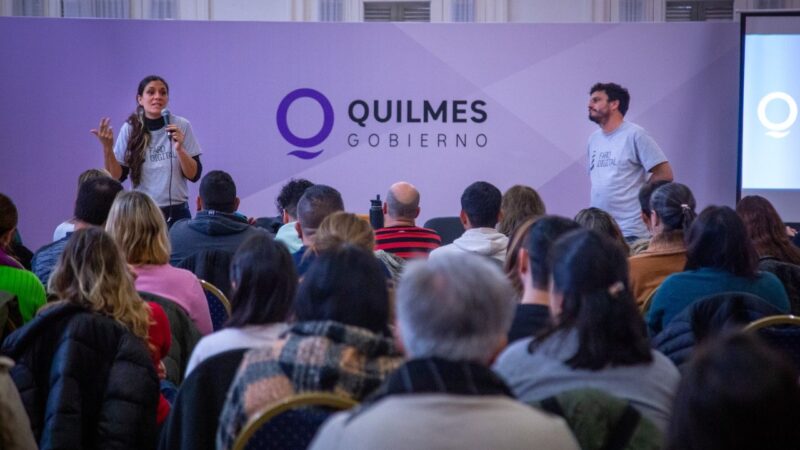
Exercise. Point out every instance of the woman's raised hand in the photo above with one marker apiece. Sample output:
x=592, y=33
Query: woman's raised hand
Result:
x=104, y=133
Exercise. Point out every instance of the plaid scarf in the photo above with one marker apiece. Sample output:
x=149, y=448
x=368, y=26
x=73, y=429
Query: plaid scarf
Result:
x=312, y=356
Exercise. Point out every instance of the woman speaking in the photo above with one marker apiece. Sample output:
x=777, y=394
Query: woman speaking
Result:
x=147, y=147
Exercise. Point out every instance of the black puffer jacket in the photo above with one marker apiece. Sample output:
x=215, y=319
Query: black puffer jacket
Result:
x=85, y=381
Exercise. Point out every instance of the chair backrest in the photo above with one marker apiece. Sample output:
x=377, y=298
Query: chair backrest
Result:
x=290, y=423
x=271, y=224
x=449, y=228
x=789, y=275
x=601, y=421
x=212, y=265
x=782, y=333
x=218, y=305
x=185, y=336
x=193, y=421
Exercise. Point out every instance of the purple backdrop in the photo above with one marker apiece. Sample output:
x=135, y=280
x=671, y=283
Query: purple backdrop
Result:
x=59, y=76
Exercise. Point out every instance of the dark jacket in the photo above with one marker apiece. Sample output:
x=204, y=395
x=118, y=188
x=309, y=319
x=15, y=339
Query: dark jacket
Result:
x=789, y=274
x=209, y=230
x=193, y=422
x=86, y=381
x=706, y=318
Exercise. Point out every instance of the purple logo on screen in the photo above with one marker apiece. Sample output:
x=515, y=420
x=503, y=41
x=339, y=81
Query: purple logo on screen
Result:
x=313, y=141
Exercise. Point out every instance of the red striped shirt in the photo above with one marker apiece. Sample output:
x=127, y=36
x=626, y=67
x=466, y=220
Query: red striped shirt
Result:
x=407, y=242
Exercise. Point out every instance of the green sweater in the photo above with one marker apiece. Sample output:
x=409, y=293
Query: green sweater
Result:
x=28, y=289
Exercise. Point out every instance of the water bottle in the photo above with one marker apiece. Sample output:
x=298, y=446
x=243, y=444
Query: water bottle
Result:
x=376, y=213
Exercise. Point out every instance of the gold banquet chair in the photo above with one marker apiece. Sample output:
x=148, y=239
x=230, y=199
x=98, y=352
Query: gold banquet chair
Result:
x=290, y=423
x=781, y=332
x=218, y=305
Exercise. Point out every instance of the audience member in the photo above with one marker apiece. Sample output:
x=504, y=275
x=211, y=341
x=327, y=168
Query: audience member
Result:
x=672, y=212
x=287, y=205
x=400, y=235
x=139, y=228
x=342, y=228
x=453, y=313
x=720, y=258
x=15, y=428
x=264, y=282
x=215, y=226
x=776, y=252
x=338, y=343
x=91, y=209
x=597, y=338
x=598, y=220
x=316, y=203
x=520, y=203
x=64, y=228
x=533, y=311
x=84, y=370
x=737, y=394
x=13, y=277
x=480, y=212
x=645, y=193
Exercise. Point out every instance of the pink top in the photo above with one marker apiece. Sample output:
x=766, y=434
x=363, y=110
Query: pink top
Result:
x=178, y=285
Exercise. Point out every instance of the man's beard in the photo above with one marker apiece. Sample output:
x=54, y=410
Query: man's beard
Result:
x=594, y=119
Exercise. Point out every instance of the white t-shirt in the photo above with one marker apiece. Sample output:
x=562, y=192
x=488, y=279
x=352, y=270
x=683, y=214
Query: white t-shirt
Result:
x=619, y=163
x=156, y=168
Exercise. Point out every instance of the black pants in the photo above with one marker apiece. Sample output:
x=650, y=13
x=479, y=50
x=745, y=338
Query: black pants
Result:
x=175, y=213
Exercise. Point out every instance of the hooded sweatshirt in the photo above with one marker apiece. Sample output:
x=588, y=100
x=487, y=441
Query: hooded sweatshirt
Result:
x=209, y=230
x=483, y=241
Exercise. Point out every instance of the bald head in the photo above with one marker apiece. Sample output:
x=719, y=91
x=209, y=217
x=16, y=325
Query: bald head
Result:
x=402, y=201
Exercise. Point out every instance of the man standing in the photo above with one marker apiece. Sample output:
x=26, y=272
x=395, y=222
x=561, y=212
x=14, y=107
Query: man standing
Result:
x=400, y=235
x=621, y=154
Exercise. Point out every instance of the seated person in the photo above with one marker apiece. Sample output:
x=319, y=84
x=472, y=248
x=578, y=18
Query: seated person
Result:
x=287, y=205
x=532, y=314
x=453, y=313
x=597, y=338
x=520, y=204
x=264, y=282
x=720, y=258
x=14, y=278
x=316, y=203
x=216, y=226
x=400, y=234
x=338, y=343
x=737, y=394
x=67, y=227
x=480, y=212
x=598, y=220
x=671, y=213
x=139, y=228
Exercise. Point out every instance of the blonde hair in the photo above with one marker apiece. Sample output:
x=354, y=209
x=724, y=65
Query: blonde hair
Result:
x=138, y=226
x=92, y=273
x=90, y=174
x=519, y=204
x=342, y=228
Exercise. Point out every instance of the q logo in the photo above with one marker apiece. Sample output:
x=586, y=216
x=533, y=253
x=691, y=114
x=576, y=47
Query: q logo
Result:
x=780, y=129
x=324, y=132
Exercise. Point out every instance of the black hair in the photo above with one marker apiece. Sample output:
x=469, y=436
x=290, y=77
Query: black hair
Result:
x=95, y=198
x=590, y=271
x=718, y=239
x=736, y=394
x=346, y=285
x=218, y=191
x=615, y=92
x=541, y=236
x=316, y=203
x=481, y=202
x=674, y=204
x=264, y=282
x=290, y=194
x=646, y=192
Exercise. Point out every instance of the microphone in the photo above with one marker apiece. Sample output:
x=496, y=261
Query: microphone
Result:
x=165, y=116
